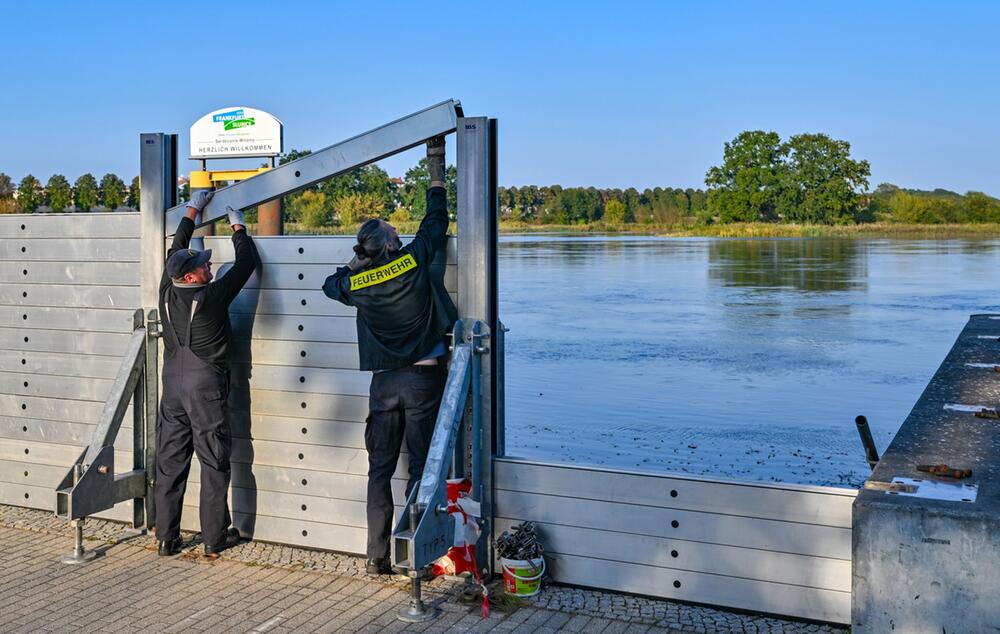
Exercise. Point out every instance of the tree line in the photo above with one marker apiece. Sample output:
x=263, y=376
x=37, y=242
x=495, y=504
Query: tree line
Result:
x=806, y=179
x=85, y=194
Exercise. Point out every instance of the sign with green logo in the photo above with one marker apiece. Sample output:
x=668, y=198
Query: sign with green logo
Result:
x=236, y=132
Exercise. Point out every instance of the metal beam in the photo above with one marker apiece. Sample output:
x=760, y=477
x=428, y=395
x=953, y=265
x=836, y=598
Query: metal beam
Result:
x=391, y=138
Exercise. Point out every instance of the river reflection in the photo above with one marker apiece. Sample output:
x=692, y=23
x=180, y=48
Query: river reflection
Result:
x=802, y=265
x=729, y=358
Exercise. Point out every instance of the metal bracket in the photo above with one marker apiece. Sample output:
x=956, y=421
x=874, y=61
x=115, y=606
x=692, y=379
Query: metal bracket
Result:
x=91, y=484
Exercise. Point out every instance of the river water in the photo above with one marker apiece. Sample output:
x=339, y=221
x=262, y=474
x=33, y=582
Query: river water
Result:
x=730, y=358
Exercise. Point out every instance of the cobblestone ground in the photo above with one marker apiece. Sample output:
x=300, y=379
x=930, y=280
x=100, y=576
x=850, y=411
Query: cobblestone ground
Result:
x=259, y=587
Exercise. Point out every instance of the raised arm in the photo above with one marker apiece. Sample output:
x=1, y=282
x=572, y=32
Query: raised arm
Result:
x=433, y=232
x=185, y=228
x=229, y=286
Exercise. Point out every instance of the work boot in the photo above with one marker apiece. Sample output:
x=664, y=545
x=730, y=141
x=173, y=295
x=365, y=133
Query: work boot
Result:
x=230, y=539
x=170, y=547
x=378, y=567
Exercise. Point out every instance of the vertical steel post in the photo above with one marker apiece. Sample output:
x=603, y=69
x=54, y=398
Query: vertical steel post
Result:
x=158, y=190
x=139, y=522
x=477, y=292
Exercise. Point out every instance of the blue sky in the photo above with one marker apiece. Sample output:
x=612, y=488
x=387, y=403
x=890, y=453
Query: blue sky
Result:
x=605, y=94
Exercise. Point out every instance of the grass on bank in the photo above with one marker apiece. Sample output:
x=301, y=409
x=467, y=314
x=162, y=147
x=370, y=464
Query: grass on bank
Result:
x=736, y=230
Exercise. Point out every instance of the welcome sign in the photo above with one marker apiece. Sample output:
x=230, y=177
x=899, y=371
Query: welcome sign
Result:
x=236, y=132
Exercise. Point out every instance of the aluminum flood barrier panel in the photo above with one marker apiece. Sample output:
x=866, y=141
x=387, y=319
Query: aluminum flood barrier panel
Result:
x=774, y=548
x=69, y=289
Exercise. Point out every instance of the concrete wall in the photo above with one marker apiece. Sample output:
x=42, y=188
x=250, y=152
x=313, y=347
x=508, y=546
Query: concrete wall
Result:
x=933, y=565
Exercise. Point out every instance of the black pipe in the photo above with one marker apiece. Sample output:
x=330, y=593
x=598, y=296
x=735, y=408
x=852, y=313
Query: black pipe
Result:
x=871, y=453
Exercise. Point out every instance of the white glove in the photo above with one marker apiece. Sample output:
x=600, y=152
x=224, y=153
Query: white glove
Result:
x=235, y=217
x=200, y=199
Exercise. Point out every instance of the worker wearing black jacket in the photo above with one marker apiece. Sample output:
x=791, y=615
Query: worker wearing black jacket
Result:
x=196, y=335
x=403, y=315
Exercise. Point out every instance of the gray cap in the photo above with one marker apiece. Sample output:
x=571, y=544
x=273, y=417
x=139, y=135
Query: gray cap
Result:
x=186, y=260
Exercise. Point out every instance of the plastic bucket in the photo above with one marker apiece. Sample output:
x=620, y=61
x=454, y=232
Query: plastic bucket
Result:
x=522, y=578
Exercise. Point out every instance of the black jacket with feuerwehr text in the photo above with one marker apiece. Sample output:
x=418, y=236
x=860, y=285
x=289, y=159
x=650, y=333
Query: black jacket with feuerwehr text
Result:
x=403, y=308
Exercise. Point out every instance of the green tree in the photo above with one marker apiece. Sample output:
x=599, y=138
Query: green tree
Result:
x=7, y=188
x=313, y=210
x=614, y=212
x=747, y=186
x=821, y=184
x=29, y=195
x=134, y=195
x=112, y=191
x=85, y=192
x=58, y=193
x=353, y=209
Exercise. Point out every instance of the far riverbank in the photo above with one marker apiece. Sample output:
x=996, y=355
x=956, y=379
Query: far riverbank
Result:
x=738, y=230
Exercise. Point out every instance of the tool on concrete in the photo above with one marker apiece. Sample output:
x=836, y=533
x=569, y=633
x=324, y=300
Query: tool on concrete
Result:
x=890, y=487
x=871, y=452
x=944, y=471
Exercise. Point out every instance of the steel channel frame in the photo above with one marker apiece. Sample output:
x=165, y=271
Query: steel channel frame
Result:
x=477, y=295
x=477, y=214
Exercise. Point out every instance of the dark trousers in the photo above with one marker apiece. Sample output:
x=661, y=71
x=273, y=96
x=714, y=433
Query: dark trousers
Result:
x=402, y=404
x=192, y=416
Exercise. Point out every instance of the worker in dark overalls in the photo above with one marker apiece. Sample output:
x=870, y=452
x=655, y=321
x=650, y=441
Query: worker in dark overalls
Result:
x=196, y=334
x=403, y=315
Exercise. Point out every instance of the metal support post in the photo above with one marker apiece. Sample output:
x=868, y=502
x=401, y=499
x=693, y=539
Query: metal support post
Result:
x=415, y=611
x=79, y=556
x=158, y=177
x=478, y=298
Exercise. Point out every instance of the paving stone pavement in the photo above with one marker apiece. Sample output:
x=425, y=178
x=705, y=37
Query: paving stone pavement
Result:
x=259, y=587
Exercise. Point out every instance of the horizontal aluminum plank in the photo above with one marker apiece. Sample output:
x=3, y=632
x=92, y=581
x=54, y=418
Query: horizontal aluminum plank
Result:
x=333, y=433
x=294, y=507
x=297, y=354
x=368, y=147
x=70, y=225
x=324, y=484
x=49, y=454
x=826, y=506
x=70, y=250
x=297, y=405
x=279, y=530
x=732, y=592
x=51, y=295
x=76, y=319
x=46, y=476
x=341, y=329
x=332, y=251
x=707, y=527
x=83, y=273
x=77, y=389
x=59, y=364
x=676, y=554
x=30, y=339
x=300, y=379
x=59, y=432
x=53, y=408
x=309, y=457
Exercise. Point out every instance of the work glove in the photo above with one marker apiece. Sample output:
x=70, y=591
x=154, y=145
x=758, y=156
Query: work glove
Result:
x=200, y=199
x=358, y=262
x=435, y=158
x=235, y=217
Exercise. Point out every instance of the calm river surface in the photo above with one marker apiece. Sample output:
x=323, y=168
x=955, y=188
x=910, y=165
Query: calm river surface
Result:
x=744, y=359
